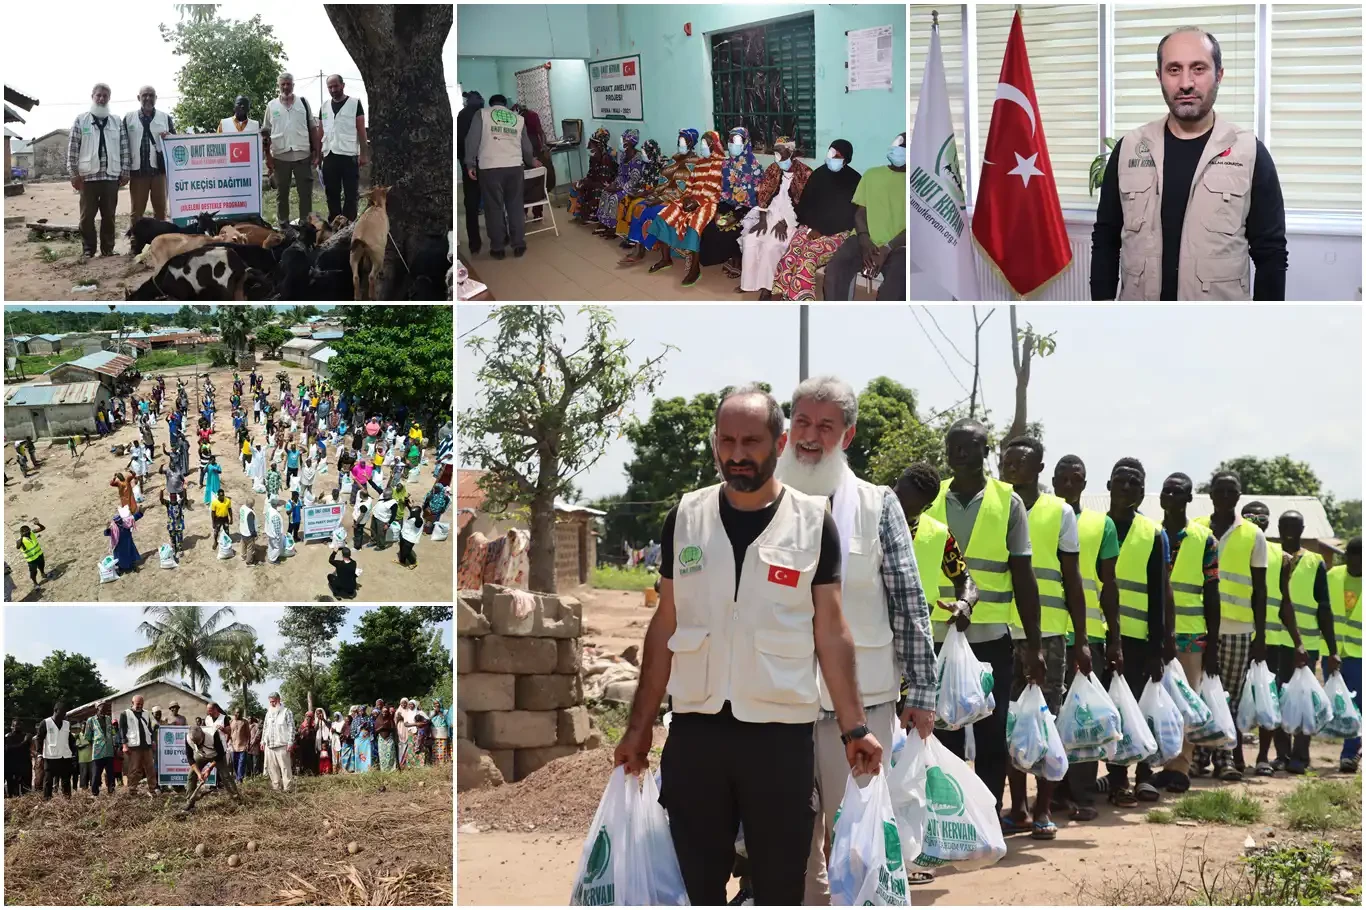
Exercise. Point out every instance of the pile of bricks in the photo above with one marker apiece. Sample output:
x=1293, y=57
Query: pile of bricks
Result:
x=519, y=692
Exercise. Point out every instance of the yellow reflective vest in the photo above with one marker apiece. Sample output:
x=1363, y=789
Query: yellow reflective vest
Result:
x=931, y=535
x=1276, y=633
x=1091, y=533
x=1346, y=617
x=987, y=557
x=1302, y=596
x=1235, y=571
x=1188, y=580
x=1131, y=576
x=1045, y=524
x=32, y=548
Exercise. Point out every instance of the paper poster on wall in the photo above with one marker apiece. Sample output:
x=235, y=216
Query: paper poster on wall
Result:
x=870, y=59
x=616, y=88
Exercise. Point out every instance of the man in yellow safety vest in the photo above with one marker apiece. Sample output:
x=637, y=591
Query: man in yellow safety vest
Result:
x=33, y=551
x=1344, y=591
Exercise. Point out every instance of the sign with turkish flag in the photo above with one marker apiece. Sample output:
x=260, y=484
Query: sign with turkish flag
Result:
x=239, y=152
x=212, y=172
x=788, y=578
x=1018, y=220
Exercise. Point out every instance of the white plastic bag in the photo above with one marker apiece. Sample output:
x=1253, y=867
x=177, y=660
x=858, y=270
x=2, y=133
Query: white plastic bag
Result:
x=394, y=532
x=224, y=545
x=109, y=569
x=1346, y=720
x=1137, y=742
x=1220, y=732
x=628, y=857
x=1032, y=736
x=1260, y=705
x=1089, y=723
x=1194, y=712
x=906, y=783
x=167, y=556
x=1305, y=707
x=962, y=685
x=866, y=866
x=441, y=530
x=346, y=484
x=956, y=811
x=338, y=538
x=1165, y=720
x=289, y=544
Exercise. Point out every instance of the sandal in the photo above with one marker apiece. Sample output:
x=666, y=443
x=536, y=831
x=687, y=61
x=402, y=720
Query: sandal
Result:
x=1082, y=813
x=1010, y=826
x=1147, y=793
x=1348, y=766
x=1263, y=769
x=661, y=265
x=1230, y=774
x=1044, y=831
x=919, y=877
x=1296, y=767
x=1278, y=764
x=1122, y=798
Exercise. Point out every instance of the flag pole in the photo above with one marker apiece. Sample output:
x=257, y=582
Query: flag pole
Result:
x=934, y=16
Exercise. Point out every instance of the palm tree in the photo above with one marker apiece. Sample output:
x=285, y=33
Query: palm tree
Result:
x=298, y=316
x=198, y=12
x=234, y=322
x=246, y=666
x=181, y=638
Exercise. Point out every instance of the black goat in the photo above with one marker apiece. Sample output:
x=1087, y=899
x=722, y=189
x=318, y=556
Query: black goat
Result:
x=295, y=262
x=145, y=230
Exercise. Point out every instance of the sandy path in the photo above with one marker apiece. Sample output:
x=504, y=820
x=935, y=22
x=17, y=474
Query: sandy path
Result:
x=75, y=502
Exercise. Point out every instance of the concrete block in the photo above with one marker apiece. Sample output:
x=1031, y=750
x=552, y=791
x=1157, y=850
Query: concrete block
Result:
x=528, y=761
x=574, y=724
x=462, y=725
x=475, y=768
x=570, y=651
x=503, y=654
x=547, y=692
x=504, y=760
x=469, y=622
x=516, y=729
x=512, y=614
x=487, y=692
x=558, y=617
x=464, y=655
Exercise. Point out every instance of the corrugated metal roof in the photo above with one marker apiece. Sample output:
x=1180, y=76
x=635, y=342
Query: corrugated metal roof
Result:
x=105, y=362
x=51, y=337
x=61, y=393
x=328, y=335
x=1316, y=525
x=323, y=356
x=21, y=337
x=303, y=344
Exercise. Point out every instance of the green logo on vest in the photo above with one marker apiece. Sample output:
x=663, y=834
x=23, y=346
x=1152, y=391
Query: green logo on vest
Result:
x=181, y=156
x=942, y=793
x=503, y=116
x=690, y=560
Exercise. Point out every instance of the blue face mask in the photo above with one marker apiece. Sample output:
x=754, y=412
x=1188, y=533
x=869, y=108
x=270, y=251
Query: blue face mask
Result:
x=896, y=155
x=834, y=164
x=736, y=149
x=785, y=164
x=682, y=146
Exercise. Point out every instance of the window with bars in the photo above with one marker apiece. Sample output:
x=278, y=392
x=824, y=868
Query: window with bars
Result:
x=764, y=79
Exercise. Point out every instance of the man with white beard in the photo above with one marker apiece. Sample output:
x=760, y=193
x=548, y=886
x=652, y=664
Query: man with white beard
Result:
x=884, y=603
x=99, y=161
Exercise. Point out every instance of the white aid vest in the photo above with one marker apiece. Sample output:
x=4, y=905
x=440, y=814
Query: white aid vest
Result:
x=339, y=130
x=161, y=123
x=229, y=125
x=132, y=733
x=288, y=126
x=757, y=650
x=857, y=509
x=88, y=159
x=57, y=743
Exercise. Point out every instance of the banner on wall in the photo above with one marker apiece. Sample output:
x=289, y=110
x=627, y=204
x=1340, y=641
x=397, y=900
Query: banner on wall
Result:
x=870, y=55
x=616, y=88
x=212, y=173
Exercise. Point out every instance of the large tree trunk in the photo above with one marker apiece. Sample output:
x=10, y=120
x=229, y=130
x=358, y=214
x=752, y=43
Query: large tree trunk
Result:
x=542, y=571
x=398, y=51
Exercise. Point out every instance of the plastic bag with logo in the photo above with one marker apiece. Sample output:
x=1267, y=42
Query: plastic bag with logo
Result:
x=906, y=781
x=1220, y=732
x=942, y=803
x=628, y=857
x=1089, y=723
x=1164, y=719
x=1137, y=741
x=224, y=545
x=866, y=865
x=1194, y=712
x=1032, y=736
x=1346, y=720
x=167, y=556
x=109, y=569
x=1260, y=706
x=1305, y=707
x=963, y=687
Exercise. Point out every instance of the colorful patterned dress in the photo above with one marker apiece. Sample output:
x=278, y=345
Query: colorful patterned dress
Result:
x=630, y=181
x=630, y=204
x=682, y=230
x=740, y=176
x=602, y=170
x=638, y=231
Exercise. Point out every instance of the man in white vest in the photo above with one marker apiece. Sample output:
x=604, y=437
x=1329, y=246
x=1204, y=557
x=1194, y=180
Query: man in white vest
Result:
x=291, y=141
x=497, y=151
x=138, y=744
x=1188, y=198
x=749, y=601
x=146, y=127
x=344, y=145
x=881, y=595
x=240, y=121
x=57, y=743
x=99, y=162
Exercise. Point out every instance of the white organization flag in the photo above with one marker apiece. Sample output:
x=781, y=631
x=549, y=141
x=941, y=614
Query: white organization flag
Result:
x=941, y=240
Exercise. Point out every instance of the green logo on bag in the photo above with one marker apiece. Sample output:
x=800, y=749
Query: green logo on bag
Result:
x=690, y=560
x=600, y=859
x=892, y=845
x=942, y=793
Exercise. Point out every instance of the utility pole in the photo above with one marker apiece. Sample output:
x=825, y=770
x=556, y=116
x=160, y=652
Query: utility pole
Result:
x=322, y=93
x=804, y=367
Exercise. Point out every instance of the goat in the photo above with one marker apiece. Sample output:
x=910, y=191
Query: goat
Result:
x=257, y=235
x=340, y=222
x=295, y=263
x=144, y=230
x=163, y=248
x=235, y=220
x=230, y=235
x=320, y=224
x=336, y=252
x=368, y=240
x=255, y=257
x=215, y=273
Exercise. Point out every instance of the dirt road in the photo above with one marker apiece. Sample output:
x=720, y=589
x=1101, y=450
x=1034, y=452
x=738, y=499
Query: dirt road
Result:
x=74, y=501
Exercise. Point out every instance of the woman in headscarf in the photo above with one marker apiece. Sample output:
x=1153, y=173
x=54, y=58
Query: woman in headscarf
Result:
x=740, y=177
x=120, y=534
x=680, y=224
x=401, y=731
x=677, y=176
x=602, y=170
x=631, y=203
x=386, y=739
x=441, y=733
x=306, y=745
x=322, y=739
x=347, y=745
x=421, y=726
x=630, y=169
x=213, y=479
x=826, y=218
x=434, y=506
x=363, y=730
x=408, y=733
x=772, y=222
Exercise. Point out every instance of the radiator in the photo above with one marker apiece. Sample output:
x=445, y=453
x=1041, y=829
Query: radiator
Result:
x=1073, y=284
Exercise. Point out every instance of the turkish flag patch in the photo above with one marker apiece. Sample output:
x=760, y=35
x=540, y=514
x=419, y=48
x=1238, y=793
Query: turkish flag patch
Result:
x=628, y=68
x=1226, y=152
x=785, y=577
x=239, y=151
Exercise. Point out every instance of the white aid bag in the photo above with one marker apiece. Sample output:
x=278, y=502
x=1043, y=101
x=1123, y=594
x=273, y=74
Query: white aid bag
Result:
x=1032, y=736
x=1220, y=732
x=1305, y=707
x=1138, y=741
x=1260, y=705
x=1346, y=720
x=963, y=686
x=167, y=556
x=109, y=569
x=289, y=544
x=866, y=866
x=441, y=530
x=1194, y=712
x=224, y=545
x=394, y=532
x=1165, y=720
x=628, y=858
x=1089, y=723
x=954, y=817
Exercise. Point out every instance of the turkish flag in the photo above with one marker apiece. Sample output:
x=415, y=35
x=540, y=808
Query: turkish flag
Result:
x=239, y=151
x=786, y=577
x=628, y=68
x=1018, y=220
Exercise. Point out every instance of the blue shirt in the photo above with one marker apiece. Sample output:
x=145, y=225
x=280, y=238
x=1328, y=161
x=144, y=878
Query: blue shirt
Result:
x=296, y=511
x=293, y=458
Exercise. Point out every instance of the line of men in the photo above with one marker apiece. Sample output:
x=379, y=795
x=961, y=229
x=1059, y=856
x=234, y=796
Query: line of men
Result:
x=106, y=152
x=793, y=621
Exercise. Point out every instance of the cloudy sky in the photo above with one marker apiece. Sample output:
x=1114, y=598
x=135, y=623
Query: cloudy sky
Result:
x=140, y=57
x=107, y=634
x=1179, y=387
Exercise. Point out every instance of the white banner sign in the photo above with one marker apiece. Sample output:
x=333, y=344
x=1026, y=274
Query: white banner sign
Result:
x=320, y=521
x=212, y=172
x=616, y=88
x=173, y=768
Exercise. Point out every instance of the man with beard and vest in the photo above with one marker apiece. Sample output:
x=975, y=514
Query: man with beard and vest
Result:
x=344, y=145
x=881, y=595
x=1187, y=199
x=291, y=140
x=497, y=150
x=99, y=161
x=57, y=746
x=749, y=601
x=991, y=524
x=1344, y=593
x=146, y=127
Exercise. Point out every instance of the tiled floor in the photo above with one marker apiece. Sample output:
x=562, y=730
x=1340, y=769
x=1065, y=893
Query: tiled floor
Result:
x=578, y=266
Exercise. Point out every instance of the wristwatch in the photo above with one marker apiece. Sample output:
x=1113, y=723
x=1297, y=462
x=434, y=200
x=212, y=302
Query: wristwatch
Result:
x=857, y=733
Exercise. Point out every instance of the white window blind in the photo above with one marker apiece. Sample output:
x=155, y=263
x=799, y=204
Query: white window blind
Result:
x=1063, y=43
x=1139, y=29
x=951, y=45
x=1315, y=123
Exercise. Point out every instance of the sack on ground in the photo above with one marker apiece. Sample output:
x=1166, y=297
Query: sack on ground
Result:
x=962, y=685
x=1165, y=720
x=866, y=865
x=224, y=545
x=1137, y=741
x=1305, y=707
x=1346, y=720
x=167, y=556
x=1194, y=712
x=628, y=858
x=1220, y=732
x=955, y=819
x=289, y=544
x=441, y=530
x=109, y=569
x=1089, y=723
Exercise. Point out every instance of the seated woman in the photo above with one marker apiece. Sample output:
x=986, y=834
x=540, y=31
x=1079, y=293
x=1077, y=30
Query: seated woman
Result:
x=632, y=201
x=880, y=225
x=769, y=226
x=680, y=224
x=825, y=216
x=629, y=181
x=739, y=191
x=638, y=232
x=602, y=170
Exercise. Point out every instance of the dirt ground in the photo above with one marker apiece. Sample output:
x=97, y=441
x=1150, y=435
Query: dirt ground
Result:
x=516, y=827
x=129, y=849
x=74, y=501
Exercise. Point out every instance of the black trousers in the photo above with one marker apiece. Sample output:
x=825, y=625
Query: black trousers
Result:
x=57, y=770
x=989, y=736
x=103, y=766
x=713, y=779
x=341, y=173
x=1136, y=653
x=471, y=188
x=406, y=557
x=36, y=566
x=1281, y=659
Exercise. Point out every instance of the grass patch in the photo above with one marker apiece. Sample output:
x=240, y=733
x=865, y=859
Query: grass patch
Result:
x=620, y=578
x=48, y=254
x=1323, y=805
x=612, y=719
x=1223, y=807
x=1160, y=817
x=37, y=363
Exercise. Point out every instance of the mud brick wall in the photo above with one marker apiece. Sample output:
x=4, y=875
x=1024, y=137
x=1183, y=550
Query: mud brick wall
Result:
x=519, y=686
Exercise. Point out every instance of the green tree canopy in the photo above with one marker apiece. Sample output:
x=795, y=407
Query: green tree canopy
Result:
x=395, y=655
x=396, y=356
x=309, y=631
x=32, y=689
x=272, y=338
x=252, y=707
x=182, y=637
x=882, y=406
x=223, y=59
x=1277, y=476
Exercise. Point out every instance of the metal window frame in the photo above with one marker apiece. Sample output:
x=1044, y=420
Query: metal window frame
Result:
x=796, y=78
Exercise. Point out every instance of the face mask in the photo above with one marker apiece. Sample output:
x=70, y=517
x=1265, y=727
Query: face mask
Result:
x=736, y=149
x=785, y=164
x=896, y=155
x=833, y=163
x=682, y=146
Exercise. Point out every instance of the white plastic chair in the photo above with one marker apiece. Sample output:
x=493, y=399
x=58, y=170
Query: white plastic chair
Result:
x=532, y=174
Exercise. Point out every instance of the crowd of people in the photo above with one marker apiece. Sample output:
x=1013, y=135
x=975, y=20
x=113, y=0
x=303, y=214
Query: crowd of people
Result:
x=711, y=203
x=1042, y=589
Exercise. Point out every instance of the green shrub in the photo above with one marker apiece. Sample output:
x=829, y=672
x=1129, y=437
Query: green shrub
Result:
x=1222, y=807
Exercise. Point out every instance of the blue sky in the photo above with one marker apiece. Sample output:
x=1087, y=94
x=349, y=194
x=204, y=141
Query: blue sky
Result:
x=1181, y=387
x=106, y=634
